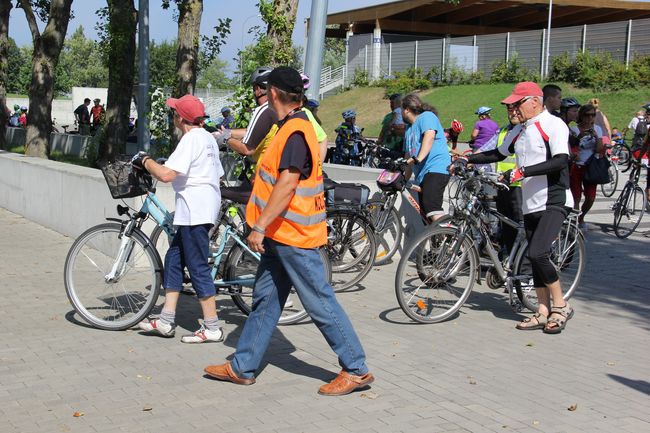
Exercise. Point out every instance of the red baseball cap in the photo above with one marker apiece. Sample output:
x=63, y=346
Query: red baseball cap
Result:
x=521, y=90
x=188, y=107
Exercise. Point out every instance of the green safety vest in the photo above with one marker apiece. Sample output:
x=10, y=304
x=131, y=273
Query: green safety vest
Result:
x=511, y=161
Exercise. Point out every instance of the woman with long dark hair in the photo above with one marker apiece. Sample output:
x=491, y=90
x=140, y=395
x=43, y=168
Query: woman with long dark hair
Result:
x=426, y=149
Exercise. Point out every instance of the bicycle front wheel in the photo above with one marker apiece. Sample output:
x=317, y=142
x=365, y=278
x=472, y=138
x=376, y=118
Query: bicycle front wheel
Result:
x=435, y=275
x=628, y=210
x=568, y=255
x=111, y=284
x=388, y=232
x=608, y=189
x=351, y=247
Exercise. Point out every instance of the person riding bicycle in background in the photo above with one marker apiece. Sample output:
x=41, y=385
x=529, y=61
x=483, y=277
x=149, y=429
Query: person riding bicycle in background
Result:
x=194, y=169
x=641, y=129
x=228, y=119
x=427, y=152
x=542, y=154
x=589, y=142
x=484, y=129
x=452, y=134
x=552, y=99
x=346, y=132
x=638, y=117
x=22, y=120
x=321, y=135
x=13, y=120
x=391, y=135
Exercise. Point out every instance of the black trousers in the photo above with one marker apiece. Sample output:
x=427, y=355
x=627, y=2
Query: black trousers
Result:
x=541, y=230
x=509, y=204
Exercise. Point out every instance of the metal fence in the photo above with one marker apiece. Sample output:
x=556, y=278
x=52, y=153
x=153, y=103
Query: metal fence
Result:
x=623, y=40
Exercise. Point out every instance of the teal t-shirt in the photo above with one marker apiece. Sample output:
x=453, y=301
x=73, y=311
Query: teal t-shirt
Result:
x=438, y=158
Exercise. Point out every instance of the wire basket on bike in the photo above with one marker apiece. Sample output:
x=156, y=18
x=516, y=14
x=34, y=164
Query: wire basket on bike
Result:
x=123, y=181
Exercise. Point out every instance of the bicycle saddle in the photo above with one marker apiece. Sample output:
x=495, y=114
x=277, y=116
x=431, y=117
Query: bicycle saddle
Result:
x=237, y=194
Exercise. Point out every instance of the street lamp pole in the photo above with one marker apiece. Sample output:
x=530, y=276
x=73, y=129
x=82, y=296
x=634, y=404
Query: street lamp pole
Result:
x=548, y=38
x=241, y=60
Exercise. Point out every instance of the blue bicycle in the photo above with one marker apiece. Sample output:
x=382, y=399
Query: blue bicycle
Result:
x=113, y=271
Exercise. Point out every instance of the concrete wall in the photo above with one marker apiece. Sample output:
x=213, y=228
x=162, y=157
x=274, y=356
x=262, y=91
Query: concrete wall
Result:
x=69, y=199
x=68, y=144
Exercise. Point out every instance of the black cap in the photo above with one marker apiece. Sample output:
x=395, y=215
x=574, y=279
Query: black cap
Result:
x=287, y=79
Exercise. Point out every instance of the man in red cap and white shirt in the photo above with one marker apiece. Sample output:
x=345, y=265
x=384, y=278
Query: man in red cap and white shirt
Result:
x=194, y=169
x=541, y=147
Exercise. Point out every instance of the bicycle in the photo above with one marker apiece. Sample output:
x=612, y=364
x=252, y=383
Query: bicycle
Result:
x=631, y=203
x=438, y=269
x=351, y=242
x=113, y=272
x=608, y=189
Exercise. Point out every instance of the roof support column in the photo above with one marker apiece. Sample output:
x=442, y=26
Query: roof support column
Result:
x=346, y=73
x=376, y=52
x=315, y=46
x=628, y=42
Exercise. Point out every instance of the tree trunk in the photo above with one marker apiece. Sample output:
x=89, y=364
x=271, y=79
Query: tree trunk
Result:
x=122, y=24
x=5, y=8
x=45, y=57
x=280, y=29
x=187, y=56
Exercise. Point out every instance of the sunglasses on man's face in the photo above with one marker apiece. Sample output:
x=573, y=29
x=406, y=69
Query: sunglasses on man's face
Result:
x=521, y=102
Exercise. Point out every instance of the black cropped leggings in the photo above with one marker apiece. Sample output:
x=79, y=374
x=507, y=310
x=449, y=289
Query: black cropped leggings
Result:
x=541, y=230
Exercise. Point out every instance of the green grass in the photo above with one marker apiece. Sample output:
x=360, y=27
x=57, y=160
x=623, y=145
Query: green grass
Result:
x=460, y=102
x=56, y=156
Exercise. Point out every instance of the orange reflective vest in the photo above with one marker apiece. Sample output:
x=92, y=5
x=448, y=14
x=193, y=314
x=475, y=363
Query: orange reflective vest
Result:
x=302, y=224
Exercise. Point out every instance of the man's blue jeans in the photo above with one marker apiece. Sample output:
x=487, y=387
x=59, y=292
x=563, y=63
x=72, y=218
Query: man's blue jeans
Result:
x=282, y=267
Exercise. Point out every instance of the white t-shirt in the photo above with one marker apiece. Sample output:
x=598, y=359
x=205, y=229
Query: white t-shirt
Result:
x=196, y=160
x=632, y=125
x=531, y=148
x=588, y=144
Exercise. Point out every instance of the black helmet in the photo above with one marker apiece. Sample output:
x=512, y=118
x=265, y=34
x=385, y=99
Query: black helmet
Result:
x=260, y=76
x=569, y=102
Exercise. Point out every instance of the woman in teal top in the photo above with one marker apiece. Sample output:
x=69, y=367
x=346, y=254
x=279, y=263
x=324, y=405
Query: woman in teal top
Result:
x=426, y=147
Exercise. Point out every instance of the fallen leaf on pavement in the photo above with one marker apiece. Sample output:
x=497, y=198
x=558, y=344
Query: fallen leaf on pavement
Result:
x=530, y=344
x=147, y=409
x=610, y=363
x=572, y=407
x=472, y=381
x=369, y=395
x=78, y=414
x=535, y=422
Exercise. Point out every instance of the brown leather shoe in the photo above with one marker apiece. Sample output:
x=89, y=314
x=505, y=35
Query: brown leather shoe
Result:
x=224, y=372
x=345, y=383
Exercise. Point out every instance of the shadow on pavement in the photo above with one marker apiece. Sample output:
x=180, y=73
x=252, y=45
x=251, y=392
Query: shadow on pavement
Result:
x=639, y=385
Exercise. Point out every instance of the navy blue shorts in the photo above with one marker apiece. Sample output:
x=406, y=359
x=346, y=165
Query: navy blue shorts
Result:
x=189, y=248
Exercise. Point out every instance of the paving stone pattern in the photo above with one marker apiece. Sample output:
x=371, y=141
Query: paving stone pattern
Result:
x=474, y=373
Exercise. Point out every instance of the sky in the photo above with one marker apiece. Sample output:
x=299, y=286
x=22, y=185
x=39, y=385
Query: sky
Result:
x=244, y=15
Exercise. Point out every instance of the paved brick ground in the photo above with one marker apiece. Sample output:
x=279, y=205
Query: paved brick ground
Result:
x=475, y=373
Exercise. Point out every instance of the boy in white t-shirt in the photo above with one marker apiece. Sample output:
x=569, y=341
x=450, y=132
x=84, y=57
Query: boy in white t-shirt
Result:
x=194, y=170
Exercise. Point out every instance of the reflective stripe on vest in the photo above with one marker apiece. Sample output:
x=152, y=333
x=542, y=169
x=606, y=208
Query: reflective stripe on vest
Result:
x=292, y=216
x=300, y=191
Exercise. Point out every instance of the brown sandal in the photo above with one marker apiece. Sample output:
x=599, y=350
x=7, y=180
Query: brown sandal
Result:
x=528, y=325
x=558, y=318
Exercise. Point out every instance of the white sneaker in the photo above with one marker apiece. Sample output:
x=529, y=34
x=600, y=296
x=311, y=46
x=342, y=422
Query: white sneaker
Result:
x=288, y=303
x=157, y=326
x=203, y=335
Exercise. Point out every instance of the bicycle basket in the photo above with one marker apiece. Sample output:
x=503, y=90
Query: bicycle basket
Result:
x=123, y=181
x=391, y=181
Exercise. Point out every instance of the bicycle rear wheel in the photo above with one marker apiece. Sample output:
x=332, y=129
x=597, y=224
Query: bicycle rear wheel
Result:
x=126, y=299
x=240, y=272
x=351, y=247
x=608, y=189
x=389, y=234
x=435, y=275
x=628, y=210
x=568, y=255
